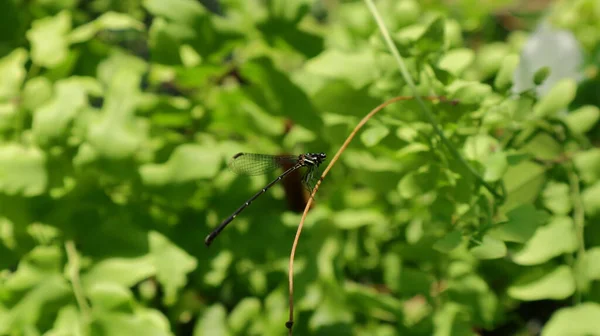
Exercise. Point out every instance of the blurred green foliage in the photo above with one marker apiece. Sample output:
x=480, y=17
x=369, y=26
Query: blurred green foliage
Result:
x=117, y=119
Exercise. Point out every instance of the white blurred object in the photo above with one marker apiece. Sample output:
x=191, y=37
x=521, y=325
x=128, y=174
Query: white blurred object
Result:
x=554, y=48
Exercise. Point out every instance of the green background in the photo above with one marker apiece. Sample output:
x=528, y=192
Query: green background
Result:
x=117, y=119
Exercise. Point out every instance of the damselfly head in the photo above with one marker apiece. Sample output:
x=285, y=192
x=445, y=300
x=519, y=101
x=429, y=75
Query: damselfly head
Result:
x=318, y=157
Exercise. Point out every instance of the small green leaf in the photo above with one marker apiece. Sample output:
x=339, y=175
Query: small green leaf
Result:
x=432, y=39
x=143, y=322
x=579, y=320
x=67, y=322
x=557, y=99
x=504, y=78
x=468, y=93
x=490, y=57
x=355, y=68
x=51, y=120
x=496, y=165
x=456, y=61
x=12, y=72
x=183, y=166
x=351, y=219
x=126, y=272
x=490, y=248
x=244, y=314
x=51, y=291
x=522, y=223
x=172, y=264
x=558, y=284
x=449, y=242
x=111, y=297
x=587, y=163
x=583, y=119
x=118, y=133
x=541, y=75
x=22, y=170
x=107, y=21
x=591, y=199
x=373, y=135
x=552, y=240
x=213, y=321
x=523, y=182
x=556, y=198
x=37, y=92
x=48, y=38
x=592, y=257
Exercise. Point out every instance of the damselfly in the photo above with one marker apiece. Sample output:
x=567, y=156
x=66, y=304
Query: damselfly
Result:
x=258, y=164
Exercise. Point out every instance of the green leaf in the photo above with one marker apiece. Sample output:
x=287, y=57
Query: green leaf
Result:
x=37, y=92
x=468, y=93
x=490, y=58
x=172, y=264
x=549, y=241
x=183, y=166
x=274, y=91
x=52, y=120
x=352, y=219
x=556, y=198
x=592, y=258
x=110, y=297
x=541, y=75
x=504, y=78
x=355, y=68
x=22, y=170
x=107, y=21
x=591, y=199
x=432, y=39
x=143, y=322
x=373, y=135
x=48, y=38
x=523, y=182
x=450, y=320
x=244, y=315
x=490, y=248
x=449, y=242
x=522, y=223
x=126, y=272
x=12, y=72
x=32, y=306
x=212, y=322
x=456, y=61
x=67, y=322
x=587, y=163
x=579, y=320
x=182, y=11
x=558, y=284
x=557, y=99
x=496, y=166
x=583, y=119
x=118, y=134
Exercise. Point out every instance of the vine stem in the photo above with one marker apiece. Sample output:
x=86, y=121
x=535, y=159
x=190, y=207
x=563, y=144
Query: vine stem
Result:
x=426, y=112
x=579, y=221
x=73, y=273
x=289, y=324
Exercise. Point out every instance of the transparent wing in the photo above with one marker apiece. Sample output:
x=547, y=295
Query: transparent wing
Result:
x=259, y=164
x=311, y=177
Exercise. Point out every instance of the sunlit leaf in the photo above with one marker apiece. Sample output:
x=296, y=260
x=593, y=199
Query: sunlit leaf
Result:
x=48, y=38
x=172, y=264
x=549, y=241
x=22, y=170
x=558, y=284
x=579, y=320
x=522, y=223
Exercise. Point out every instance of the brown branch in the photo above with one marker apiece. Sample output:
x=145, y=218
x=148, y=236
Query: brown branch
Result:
x=289, y=324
